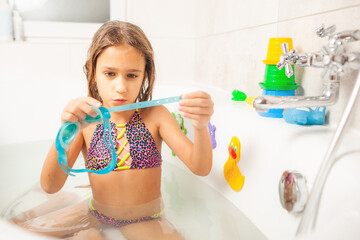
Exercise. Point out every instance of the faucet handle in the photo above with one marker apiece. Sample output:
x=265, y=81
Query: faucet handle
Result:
x=286, y=59
x=321, y=31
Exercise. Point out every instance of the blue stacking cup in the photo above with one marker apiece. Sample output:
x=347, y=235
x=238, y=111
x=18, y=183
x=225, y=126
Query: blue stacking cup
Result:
x=276, y=113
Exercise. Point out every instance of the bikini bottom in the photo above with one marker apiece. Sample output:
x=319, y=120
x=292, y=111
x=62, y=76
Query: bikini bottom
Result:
x=129, y=219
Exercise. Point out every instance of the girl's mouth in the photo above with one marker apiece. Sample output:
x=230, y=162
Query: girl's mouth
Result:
x=120, y=101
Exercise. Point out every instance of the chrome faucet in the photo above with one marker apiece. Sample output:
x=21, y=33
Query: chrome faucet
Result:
x=331, y=57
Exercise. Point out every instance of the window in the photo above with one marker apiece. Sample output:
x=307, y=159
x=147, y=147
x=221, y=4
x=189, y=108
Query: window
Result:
x=66, y=20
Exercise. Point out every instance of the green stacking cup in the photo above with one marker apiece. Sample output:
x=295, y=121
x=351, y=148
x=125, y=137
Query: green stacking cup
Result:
x=275, y=79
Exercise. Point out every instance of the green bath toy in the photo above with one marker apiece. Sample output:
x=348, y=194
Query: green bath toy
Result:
x=180, y=121
x=238, y=95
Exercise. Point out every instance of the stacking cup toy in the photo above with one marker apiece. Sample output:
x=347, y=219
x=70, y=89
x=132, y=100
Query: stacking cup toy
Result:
x=276, y=79
x=276, y=112
x=274, y=50
x=276, y=83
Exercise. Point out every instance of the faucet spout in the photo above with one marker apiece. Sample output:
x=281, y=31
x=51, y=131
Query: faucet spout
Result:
x=329, y=97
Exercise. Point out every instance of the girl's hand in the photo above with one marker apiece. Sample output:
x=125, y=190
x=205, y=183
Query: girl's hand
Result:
x=78, y=108
x=197, y=106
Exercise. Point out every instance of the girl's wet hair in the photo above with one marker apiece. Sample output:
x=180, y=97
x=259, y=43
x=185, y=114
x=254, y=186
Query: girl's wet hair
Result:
x=115, y=33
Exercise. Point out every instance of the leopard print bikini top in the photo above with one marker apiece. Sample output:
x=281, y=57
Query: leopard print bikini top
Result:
x=135, y=151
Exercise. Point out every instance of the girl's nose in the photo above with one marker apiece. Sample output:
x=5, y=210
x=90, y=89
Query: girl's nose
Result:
x=120, y=85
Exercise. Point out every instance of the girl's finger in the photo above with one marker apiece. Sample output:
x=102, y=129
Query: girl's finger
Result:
x=79, y=113
x=197, y=117
x=197, y=110
x=197, y=94
x=87, y=109
x=93, y=102
x=196, y=102
x=67, y=116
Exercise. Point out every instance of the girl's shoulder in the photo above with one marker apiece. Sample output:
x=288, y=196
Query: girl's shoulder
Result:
x=154, y=114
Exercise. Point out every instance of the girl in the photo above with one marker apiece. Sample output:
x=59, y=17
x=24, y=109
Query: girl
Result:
x=120, y=70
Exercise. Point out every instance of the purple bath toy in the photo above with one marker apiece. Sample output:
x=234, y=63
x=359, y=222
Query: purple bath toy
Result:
x=212, y=130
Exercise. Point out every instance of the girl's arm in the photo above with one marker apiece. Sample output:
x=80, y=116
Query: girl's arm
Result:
x=52, y=177
x=197, y=156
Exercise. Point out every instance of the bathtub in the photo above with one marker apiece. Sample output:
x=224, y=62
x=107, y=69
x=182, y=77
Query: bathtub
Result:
x=268, y=148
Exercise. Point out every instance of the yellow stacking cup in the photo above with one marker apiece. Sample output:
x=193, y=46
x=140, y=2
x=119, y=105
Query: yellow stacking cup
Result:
x=274, y=50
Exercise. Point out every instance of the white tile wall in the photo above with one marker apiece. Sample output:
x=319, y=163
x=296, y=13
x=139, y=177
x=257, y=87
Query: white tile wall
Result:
x=174, y=59
x=163, y=18
x=233, y=60
x=216, y=17
x=77, y=57
x=289, y=9
x=36, y=81
x=33, y=62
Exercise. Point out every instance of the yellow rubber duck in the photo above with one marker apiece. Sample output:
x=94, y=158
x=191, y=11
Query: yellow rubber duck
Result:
x=232, y=173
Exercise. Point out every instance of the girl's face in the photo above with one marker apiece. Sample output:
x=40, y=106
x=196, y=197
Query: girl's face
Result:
x=119, y=74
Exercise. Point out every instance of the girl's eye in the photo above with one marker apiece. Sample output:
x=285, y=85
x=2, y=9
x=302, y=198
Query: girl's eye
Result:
x=110, y=74
x=132, y=75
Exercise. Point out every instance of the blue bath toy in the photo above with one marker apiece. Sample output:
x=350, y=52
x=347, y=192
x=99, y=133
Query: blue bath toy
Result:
x=305, y=116
x=212, y=130
x=69, y=130
x=180, y=122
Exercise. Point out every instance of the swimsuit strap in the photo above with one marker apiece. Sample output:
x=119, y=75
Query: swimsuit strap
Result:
x=122, y=164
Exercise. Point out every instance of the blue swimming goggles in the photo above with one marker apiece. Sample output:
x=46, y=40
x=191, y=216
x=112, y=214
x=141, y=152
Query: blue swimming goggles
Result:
x=69, y=130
